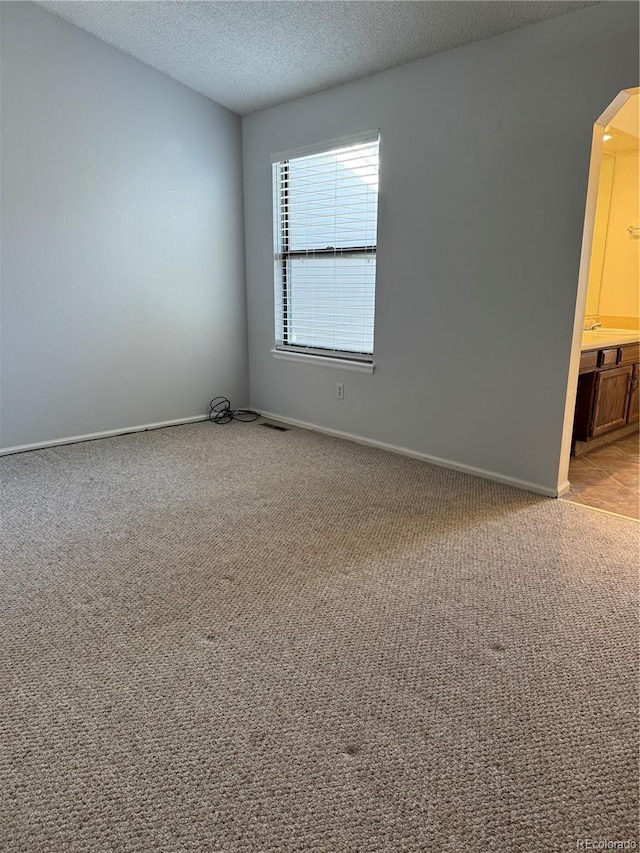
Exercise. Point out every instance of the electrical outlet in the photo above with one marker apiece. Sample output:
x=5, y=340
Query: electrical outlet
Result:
x=339, y=390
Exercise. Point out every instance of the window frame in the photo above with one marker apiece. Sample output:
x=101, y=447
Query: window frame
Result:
x=283, y=254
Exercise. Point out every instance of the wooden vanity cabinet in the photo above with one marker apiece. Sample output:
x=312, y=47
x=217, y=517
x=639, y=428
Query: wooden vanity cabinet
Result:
x=611, y=399
x=607, y=397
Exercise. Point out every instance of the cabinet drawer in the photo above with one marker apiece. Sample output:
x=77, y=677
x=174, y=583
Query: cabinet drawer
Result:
x=608, y=357
x=588, y=361
x=630, y=354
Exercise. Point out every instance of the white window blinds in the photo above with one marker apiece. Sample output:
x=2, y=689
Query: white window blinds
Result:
x=325, y=218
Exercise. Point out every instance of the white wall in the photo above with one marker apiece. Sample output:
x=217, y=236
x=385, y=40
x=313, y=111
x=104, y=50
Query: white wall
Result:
x=122, y=251
x=484, y=162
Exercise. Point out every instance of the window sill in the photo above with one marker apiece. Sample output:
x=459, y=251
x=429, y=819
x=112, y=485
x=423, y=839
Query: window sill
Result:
x=325, y=361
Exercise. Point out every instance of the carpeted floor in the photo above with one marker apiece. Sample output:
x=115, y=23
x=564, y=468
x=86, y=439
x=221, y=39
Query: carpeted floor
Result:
x=234, y=639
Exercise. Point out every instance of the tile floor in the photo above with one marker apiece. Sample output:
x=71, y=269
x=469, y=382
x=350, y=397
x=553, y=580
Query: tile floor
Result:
x=609, y=477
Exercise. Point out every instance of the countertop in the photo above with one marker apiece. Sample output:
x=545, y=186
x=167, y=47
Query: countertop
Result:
x=603, y=338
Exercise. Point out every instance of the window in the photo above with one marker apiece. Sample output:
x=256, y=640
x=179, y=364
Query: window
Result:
x=325, y=227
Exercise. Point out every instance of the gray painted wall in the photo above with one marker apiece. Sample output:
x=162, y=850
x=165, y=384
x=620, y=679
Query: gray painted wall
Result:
x=122, y=239
x=484, y=162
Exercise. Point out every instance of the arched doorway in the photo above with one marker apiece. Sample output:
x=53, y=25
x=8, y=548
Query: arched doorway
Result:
x=602, y=398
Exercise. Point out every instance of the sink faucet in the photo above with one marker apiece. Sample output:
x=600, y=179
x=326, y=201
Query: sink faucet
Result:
x=592, y=326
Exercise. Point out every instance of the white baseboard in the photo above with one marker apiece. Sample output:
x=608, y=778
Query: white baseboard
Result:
x=563, y=488
x=92, y=436
x=424, y=457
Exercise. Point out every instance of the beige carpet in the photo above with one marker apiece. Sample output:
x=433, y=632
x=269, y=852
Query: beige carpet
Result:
x=233, y=639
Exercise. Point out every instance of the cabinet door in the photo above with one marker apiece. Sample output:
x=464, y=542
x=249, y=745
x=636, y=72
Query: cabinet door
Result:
x=634, y=399
x=611, y=402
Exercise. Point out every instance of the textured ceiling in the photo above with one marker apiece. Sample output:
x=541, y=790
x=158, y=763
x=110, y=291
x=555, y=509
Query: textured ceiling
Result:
x=250, y=54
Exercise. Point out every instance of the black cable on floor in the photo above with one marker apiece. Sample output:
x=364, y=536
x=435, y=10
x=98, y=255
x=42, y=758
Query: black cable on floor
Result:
x=220, y=412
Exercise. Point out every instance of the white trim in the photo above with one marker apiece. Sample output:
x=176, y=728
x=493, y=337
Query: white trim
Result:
x=92, y=436
x=563, y=488
x=424, y=457
x=326, y=145
x=325, y=361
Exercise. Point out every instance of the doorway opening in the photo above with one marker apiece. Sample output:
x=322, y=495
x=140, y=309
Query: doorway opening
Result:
x=599, y=464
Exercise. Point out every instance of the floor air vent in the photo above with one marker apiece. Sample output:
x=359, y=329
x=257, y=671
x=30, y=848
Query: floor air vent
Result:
x=276, y=426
